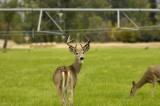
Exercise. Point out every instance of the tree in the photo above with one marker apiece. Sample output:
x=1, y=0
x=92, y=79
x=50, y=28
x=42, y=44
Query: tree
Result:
x=80, y=20
x=8, y=18
x=152, y=14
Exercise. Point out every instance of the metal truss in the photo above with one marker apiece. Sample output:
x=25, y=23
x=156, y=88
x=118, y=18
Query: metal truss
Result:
x=118, y=10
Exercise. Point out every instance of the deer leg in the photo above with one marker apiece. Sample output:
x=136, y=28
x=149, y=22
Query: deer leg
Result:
x=71, y=92
x=60, y=94
x=153, y=88
x=153, y=85
x=71, y=97
x=65, y=95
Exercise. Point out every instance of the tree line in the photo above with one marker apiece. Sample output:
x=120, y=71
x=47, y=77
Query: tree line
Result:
x=102, y=24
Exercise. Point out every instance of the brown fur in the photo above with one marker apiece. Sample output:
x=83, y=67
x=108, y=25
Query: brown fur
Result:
x=73, y=69
x=65, y=77
x=57, y=76
x=152, y=75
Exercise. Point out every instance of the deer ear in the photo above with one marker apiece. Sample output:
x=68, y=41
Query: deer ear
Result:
x=72, y=49
x=133, y=83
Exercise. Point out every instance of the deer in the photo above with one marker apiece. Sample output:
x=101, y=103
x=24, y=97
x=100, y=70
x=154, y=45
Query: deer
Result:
x=65, y=77
x=152, y=75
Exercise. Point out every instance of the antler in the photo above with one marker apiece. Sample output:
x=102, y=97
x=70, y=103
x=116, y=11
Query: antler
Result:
x=69, y=40
x=86, y=46
x=88, y=40
x=71, y=48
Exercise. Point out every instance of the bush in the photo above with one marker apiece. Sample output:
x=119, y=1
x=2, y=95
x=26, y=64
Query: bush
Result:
x=129, y=36
x=18, y=39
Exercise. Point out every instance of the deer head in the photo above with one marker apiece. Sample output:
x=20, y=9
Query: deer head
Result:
x=133, y=89
x=78, y=53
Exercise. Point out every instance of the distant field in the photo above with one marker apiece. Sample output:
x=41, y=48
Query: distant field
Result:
x=105, y=78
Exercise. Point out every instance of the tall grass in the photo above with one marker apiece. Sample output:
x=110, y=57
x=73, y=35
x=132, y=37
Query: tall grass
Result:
x=105, y=78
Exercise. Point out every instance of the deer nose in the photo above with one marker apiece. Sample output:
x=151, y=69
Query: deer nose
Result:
x=82, y=58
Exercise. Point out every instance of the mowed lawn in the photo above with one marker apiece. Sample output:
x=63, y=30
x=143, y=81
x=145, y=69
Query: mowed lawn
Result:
x=105, y=78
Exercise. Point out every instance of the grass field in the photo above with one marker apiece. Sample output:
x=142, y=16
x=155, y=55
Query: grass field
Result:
x=105, y=78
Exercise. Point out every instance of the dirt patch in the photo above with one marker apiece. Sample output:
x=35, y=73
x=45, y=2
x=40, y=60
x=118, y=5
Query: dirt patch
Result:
x=10, y=44
x=13, y=45
x=116, y=45
x=127, y=45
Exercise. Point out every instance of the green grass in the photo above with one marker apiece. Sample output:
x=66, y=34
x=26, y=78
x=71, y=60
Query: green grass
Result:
x=105, y=78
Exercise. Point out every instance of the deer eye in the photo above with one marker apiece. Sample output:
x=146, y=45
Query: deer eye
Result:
x=76, y=53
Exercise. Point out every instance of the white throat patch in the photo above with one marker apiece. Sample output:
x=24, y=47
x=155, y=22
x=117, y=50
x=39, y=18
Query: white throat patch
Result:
x=80, y=61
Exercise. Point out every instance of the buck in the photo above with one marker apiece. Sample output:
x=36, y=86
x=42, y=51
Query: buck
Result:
x=152, y=75
x=65, y=77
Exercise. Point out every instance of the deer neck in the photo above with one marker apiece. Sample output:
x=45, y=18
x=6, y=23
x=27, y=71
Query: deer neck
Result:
x=140, y=83
x=76, y=66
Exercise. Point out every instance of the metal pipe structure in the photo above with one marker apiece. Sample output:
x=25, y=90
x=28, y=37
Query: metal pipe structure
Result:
x=118, y=10
x=78, y=9
x=118, y=19
x=39, y=22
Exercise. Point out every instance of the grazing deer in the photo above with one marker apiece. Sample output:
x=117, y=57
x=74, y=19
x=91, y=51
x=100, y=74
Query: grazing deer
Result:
x=152, y=75
x=65, y=77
